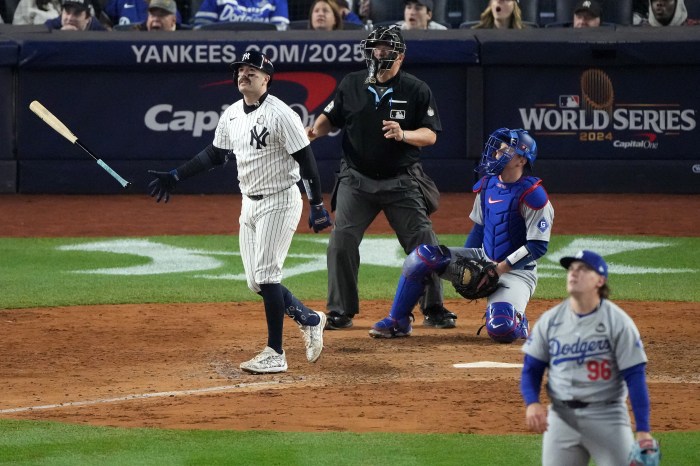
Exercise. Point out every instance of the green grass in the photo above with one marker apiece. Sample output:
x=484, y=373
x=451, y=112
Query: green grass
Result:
x=36, y=272
x=49, y=443
x=41, y=272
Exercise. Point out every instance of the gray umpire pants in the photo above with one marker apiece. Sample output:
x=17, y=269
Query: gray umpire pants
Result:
x=358, y=201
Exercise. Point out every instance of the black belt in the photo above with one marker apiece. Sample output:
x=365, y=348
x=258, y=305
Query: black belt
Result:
x=576, y=404
x=255, y=197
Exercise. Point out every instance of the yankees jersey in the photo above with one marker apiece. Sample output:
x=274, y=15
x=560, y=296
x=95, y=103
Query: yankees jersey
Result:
x=586, y=353
x=512, y=214
x=262, y=142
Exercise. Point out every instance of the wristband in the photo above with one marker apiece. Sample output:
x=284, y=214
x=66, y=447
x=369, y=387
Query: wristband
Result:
x=403, y=135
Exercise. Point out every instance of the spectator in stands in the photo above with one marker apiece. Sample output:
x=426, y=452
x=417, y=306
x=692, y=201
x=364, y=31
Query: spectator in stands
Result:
x=347, y=14
x=364, y=9
x=36, y=11
x=162, y=16
x=122, y=12
x=324, y=15
x=587, y=14
x=262, y=11
x=418, y=14
x=668, y=13
x=76, y=15
x=501, y=14
x=640, y=9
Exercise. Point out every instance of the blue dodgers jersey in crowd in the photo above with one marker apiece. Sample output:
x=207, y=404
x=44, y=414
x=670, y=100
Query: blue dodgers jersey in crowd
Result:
x=221, y=11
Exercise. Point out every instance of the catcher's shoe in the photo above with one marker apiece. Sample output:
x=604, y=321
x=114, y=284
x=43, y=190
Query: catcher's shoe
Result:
x=337, y=321
x=267, y=362
x=313, y=337
x=439, y=317
x=392, y=328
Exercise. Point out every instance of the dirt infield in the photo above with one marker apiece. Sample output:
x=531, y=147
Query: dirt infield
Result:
x=176, y=365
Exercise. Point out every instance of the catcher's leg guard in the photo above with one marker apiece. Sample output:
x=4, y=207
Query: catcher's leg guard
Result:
x=504, y=324
x=422, y=261
x=297, y=310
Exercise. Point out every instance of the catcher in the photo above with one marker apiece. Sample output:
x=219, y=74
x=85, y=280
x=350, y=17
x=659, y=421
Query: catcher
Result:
x=513, y=221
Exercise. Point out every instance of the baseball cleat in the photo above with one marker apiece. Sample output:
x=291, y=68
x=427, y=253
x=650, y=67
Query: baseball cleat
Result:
x=391, y=328
x=313, y=337
x=439, y=317
x=267, y=362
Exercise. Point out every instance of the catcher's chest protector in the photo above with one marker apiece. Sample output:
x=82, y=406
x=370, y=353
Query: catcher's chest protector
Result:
x=504, y=227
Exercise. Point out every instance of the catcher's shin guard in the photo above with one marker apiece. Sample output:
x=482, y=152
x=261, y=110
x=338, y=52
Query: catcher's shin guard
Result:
x=422, y=261
x=504, y=324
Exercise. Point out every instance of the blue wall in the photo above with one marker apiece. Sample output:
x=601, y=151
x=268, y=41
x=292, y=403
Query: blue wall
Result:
x=613, y=110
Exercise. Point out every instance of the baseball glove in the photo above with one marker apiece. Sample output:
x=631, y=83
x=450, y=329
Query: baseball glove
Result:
x=645, y=452
x=474, y=278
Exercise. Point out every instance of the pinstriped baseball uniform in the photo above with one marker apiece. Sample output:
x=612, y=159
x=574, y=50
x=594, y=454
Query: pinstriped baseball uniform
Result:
x=585, y=356
x=262, y=141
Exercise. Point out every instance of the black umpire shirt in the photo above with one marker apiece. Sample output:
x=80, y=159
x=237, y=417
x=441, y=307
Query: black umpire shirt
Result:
x=360, y=109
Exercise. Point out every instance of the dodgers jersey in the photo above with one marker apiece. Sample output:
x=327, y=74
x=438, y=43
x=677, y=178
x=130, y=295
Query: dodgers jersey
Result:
x=586, y=353
x=262, y=142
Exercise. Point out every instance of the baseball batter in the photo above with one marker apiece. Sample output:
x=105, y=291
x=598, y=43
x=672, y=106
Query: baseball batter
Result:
x=272, y=153
x=593, y=354
x=513, y=221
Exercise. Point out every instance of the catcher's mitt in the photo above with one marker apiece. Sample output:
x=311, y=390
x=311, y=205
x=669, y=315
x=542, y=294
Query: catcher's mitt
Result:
x=645, y=452
x=474, y=278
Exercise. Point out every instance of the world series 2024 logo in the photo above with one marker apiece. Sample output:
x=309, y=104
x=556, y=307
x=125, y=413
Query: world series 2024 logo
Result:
x=593, y=115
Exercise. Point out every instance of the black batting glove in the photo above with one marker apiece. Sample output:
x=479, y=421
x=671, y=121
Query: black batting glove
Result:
x=163, y=185
x=319, y=218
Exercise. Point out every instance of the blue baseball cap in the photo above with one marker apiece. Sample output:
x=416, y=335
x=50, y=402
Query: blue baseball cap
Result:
x=590, y=258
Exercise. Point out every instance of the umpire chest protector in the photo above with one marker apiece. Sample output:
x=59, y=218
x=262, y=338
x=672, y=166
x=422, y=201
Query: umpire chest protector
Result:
x=359, y=108
x=504, y=226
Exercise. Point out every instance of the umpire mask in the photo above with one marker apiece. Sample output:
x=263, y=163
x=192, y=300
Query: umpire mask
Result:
x=389, y=36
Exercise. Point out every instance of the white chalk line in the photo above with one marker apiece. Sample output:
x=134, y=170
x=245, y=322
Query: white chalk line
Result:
x=485, y=364
x=141, y=396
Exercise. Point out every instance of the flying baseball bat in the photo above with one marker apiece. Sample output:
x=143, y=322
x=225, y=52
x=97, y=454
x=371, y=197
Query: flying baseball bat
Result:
x=58, y=126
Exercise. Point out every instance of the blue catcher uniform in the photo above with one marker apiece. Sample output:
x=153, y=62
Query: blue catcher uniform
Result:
x=512, y=223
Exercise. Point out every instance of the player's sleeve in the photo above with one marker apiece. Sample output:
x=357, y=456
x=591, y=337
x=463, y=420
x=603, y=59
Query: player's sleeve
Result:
x=531, y=379
x=221, y=136
x=428, y=108
x=538, y=222
x=476, y=215
x=537, y=344
x=208, y=13
x=476, y=237
x=639, y=395
x=292, y=130
x=629, y=349
x=309, y=174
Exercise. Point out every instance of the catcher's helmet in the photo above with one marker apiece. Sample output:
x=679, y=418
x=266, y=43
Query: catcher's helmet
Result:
x=502, y=145
x=504, y=324
x=256, y=60
x=383, y=35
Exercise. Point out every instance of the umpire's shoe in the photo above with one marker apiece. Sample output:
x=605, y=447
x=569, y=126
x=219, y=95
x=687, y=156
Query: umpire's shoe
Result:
x=439, y=317
x=337, y=321
x=313, y=337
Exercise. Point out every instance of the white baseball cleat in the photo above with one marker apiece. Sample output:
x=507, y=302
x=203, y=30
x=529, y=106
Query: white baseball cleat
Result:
x=313, y=338
x=267, y=362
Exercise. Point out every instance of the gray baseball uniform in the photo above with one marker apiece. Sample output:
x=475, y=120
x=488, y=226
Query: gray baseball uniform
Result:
x=585, y=355
x=262, y=141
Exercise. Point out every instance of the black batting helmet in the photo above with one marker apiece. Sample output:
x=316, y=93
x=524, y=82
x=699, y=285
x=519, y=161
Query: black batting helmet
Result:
x=256, y=60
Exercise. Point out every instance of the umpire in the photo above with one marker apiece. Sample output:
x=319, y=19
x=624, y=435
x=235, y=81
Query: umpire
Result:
x=388, y=116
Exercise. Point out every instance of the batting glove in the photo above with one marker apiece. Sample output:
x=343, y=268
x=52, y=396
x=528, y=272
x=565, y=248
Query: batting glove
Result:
x=319, y=218
x=163, y=185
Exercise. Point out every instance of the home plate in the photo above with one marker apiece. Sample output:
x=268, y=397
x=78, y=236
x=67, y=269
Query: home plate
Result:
x=484, y=364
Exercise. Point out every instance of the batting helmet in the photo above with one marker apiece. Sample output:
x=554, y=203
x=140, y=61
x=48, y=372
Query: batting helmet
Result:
x=256, y=60
x=383, y=35
x=504, y=324
x=502, y=145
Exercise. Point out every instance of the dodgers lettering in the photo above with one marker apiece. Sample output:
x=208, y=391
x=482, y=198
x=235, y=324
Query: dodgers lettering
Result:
x=577, y=351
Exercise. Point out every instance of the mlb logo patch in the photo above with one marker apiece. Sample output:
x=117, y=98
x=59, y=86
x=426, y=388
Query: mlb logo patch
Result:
x=397, y=114
x=569, y=101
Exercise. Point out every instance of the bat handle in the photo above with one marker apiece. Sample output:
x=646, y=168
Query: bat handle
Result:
x=114, y=174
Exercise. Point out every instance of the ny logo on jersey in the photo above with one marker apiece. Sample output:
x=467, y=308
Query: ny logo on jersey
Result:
x=259, y=138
